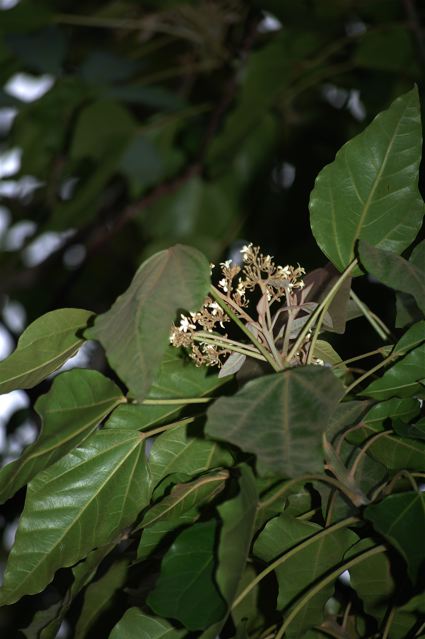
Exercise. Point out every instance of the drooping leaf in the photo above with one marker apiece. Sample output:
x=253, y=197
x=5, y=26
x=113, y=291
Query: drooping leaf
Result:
x=400, y=518
x=307, y=564
x=43, y=347
x=186, y=589
x=136, y=623
x=81, y=502
x=98, y=597
x=181, y=506
x=366, y=191
x=394, y=271
x=76, y=403
x=280, y=418
x=135, y=331
x=374, y=585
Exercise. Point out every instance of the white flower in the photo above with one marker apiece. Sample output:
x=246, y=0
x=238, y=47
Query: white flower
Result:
x=223, y=285
x=226, y=264
x=185, y=324
x=214, y=308
x=246, y=250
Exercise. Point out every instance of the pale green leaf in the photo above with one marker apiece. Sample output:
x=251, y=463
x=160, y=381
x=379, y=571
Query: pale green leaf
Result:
x=79, y=503
x=43, y=347
x=135, y=331
x=366, y=191
x=76, y=403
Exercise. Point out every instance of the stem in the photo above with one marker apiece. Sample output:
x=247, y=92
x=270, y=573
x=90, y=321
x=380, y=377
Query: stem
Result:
x=388, y=623
x=375, y=321
x=236, y=347
x=373, y=370
x=377, y=351
x=363, y=450
x=323, y=583
x=281, y=560
x=217, y=296
x=178, y=401
x=318, y=310
x=162, y=429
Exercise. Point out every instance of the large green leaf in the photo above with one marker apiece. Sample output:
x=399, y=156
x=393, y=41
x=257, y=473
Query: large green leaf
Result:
x=180, y=506
x=81, y=502
x=43, y=347
x=135, y=331
x=98, y=597
x=374, y=584
x=400, y=518
x=308, y=563
x=136, y=623
x=183, y=450
x=186, y=589
x=402, y=379
x=280, y=418
x=394, y=271
x=371, y=191
x=76, y=403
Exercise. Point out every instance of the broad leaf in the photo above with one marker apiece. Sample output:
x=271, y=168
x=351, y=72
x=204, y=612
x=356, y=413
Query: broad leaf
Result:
x=186, y=589
x=400, y=518
x=308, y=563
x=135, y=331
x=280, y=418
x=43, y=347
x=136, y=623
x=374, y=584
x=81, y=502
x=402, y=379
x=76, y=403
x=366, y=191
x=394, y=271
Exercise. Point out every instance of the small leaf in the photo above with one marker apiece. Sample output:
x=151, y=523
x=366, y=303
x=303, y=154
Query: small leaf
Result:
x=400, y=518
x=280, y=418
x=136, y=623
x=186, y=589
x=394, y=271
x=43, y=347
x=233, y=363
x=373, y=181
x=135, y=331
x=75, y=405
x=81, y=502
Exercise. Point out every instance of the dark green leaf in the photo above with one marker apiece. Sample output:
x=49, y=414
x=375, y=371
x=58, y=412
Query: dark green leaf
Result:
x=401, y=380
x=394, y=271
x=75, y=405
x=43, y=347
x=81, y=502
x=42, y=50
x=134, y=332
x=280, y=418
x=136, y=623
x=374, y=584
x=400, y=518
x=366, y=191
x=186, y=589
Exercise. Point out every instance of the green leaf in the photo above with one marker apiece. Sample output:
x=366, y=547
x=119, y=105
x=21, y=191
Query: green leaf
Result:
x=366, y=191
x=180, y=507
x=136, y=623
x=402, y=379
x=400, y=518
x=309, y=563
x=407, y=309
x=374, y=584
x=75, y=405
x=280, y=418
x=394, y=271
x=81, y=502
x=135, y=331
x=43, y=347
x=186, y=589
x=99, y=596
x=43, y=625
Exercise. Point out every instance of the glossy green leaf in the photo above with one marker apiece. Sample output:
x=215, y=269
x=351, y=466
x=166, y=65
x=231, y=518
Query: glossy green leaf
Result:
x=186, y=589
x=43, y=347
x=374, y=584
x=99, y=596
x=183, y=450
x=179, y=507
x=135, y=331
x=309, y=563
x=280, y=418
x=75, y=405
x=400, y=518
x=136, y=623
x=81, y=502
x=394, y=271
x=366, y=191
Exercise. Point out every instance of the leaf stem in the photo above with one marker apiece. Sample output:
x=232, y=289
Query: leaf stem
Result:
x=287, y=555
x=236, y=347
x=177, y=401
x=162, y=429
x=368, y=373
x=317, y=313
x=226, y=308
x=363, y=450
x=377, y=351
x=377, y=324
x=388, y=623
x=312, y=592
